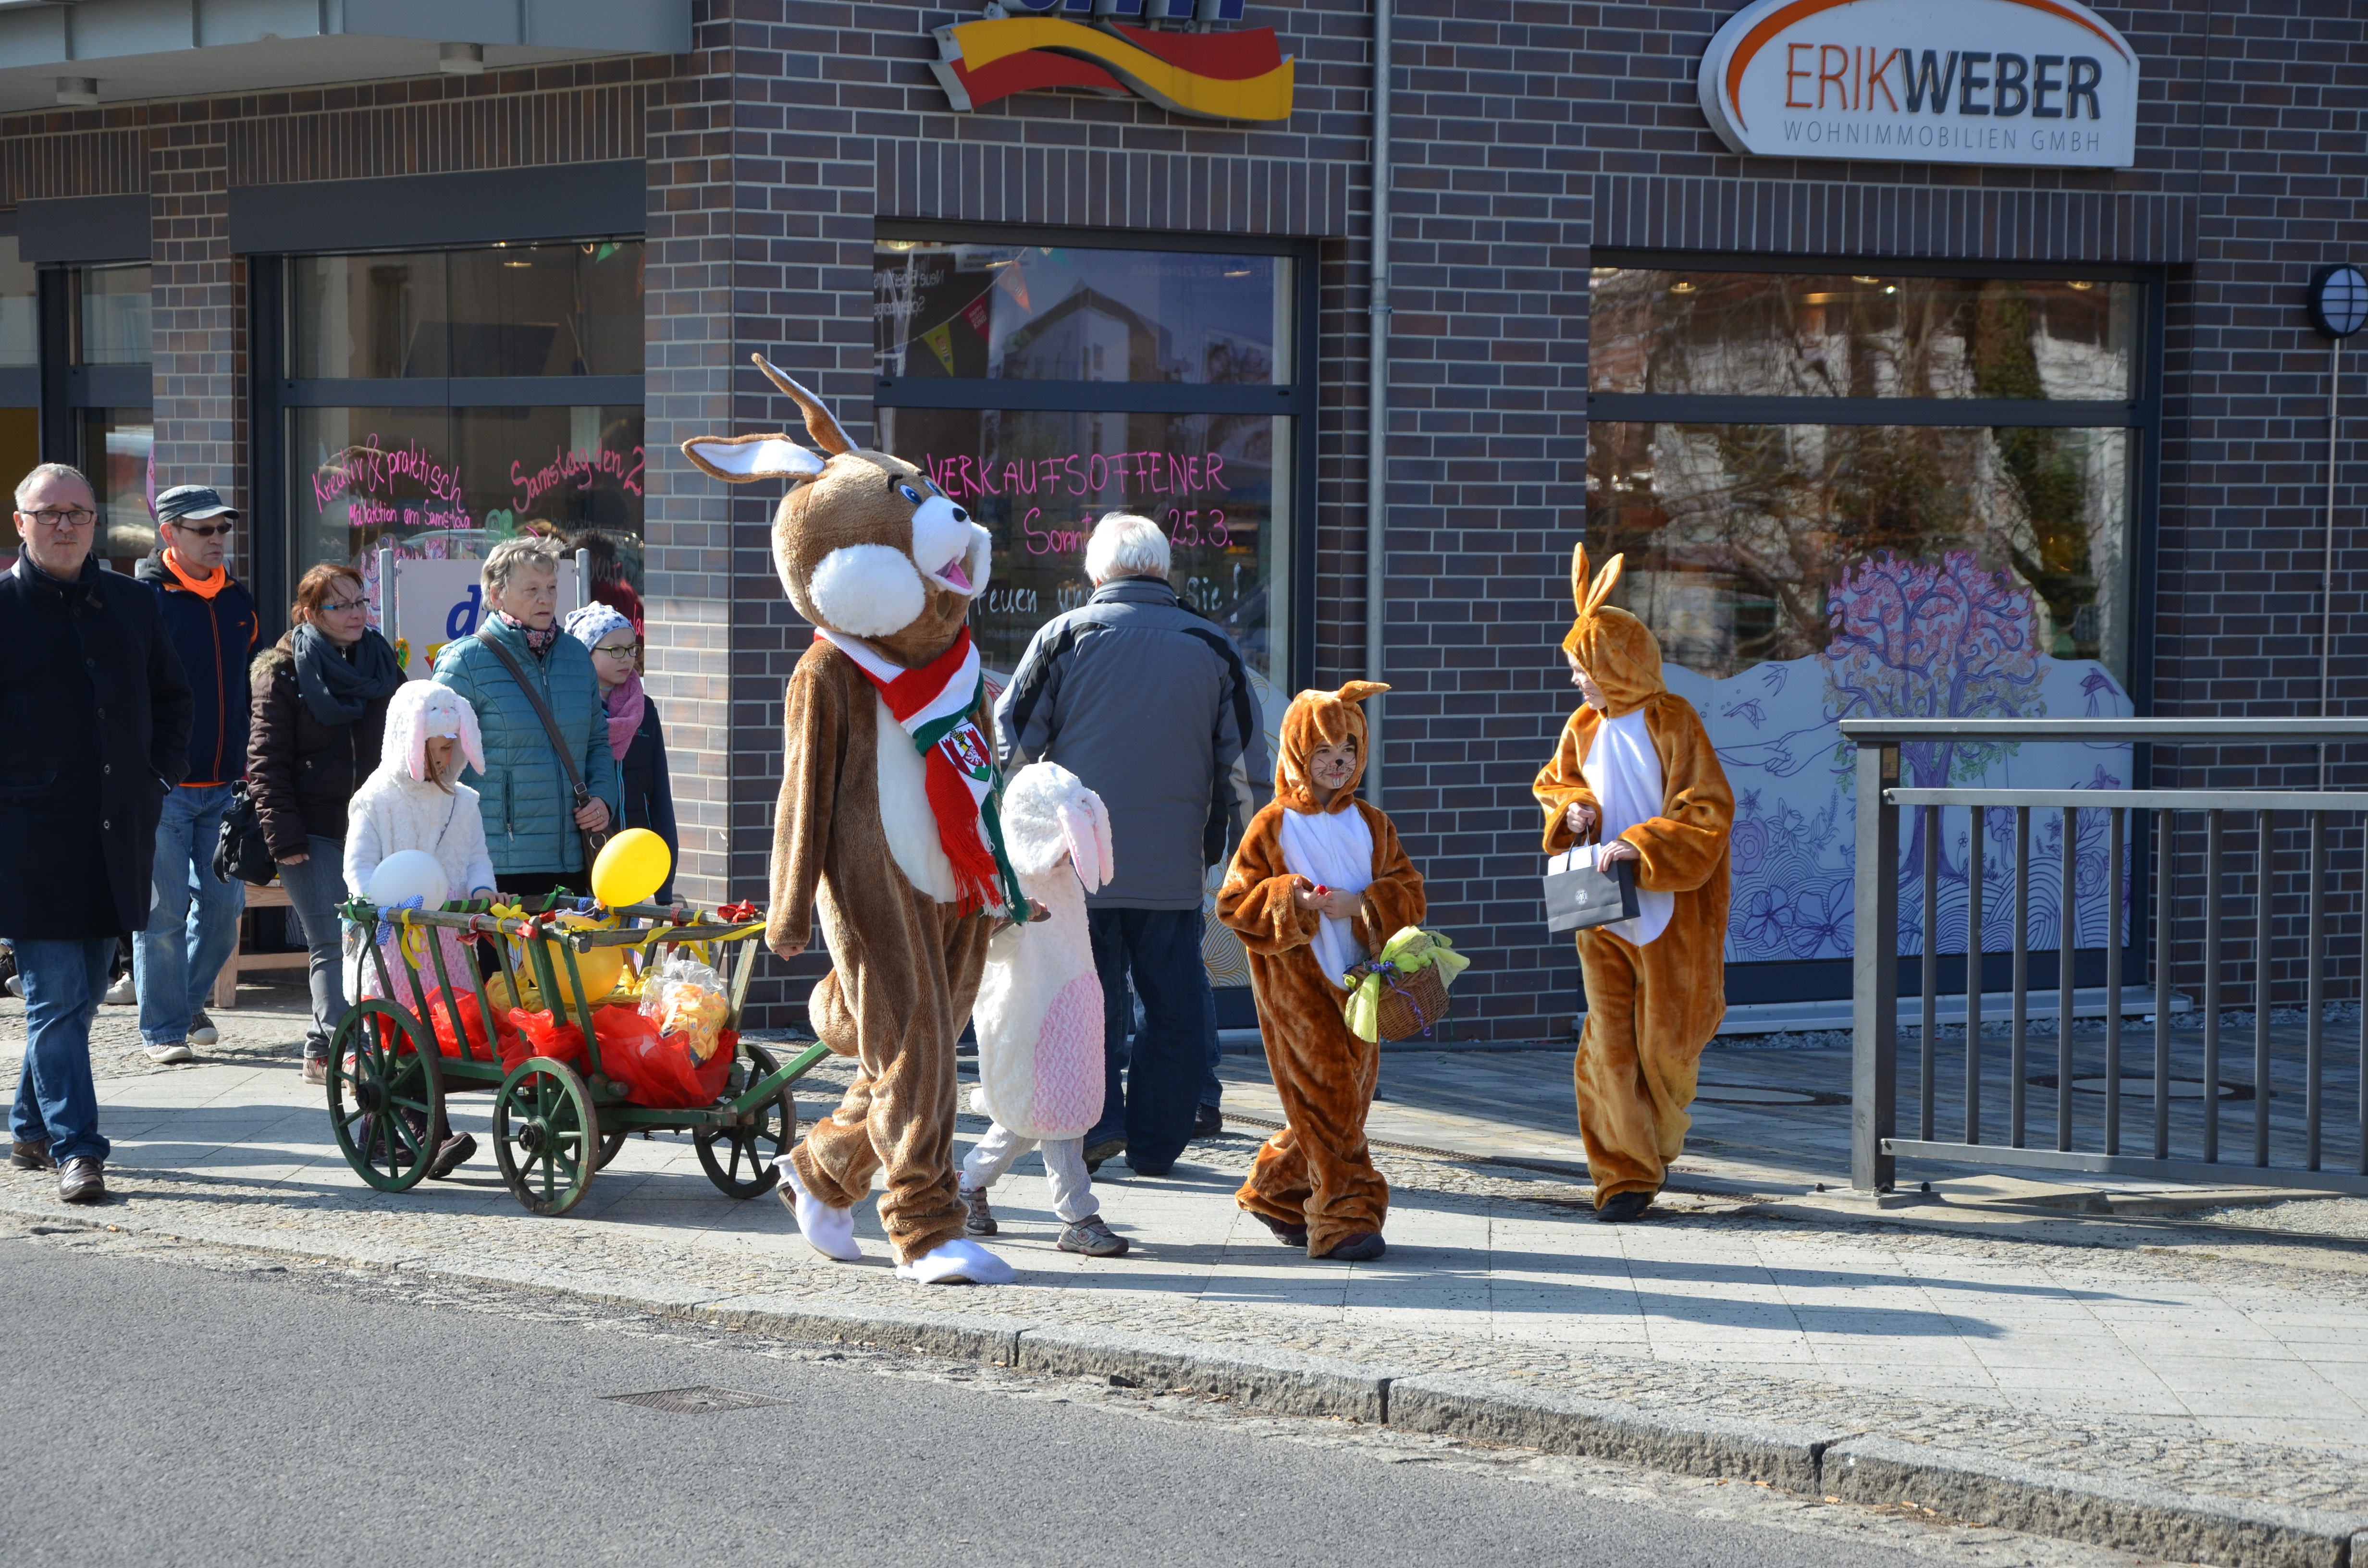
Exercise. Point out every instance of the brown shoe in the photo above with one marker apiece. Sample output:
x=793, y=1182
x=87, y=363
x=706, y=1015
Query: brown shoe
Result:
x=1359, y=1246
x=317, y=1069
x=32, y=1156
x=82, y=1181
x=1288, y=1235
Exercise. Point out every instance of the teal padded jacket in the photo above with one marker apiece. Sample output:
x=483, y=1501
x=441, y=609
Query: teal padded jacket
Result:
x=529, y=824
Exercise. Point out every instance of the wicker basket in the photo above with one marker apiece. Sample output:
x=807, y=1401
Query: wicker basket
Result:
x=1410, y=1004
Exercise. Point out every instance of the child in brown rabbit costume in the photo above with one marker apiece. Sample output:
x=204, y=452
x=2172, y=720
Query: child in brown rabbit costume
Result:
x=1636, y=771
x=886, y=825
x=1318, y=885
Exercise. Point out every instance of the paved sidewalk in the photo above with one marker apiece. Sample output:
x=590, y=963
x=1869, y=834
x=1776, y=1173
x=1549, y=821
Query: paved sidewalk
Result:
x=2114, y=1350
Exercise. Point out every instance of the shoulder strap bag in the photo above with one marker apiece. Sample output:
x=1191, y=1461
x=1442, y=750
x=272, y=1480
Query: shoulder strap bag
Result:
x=592, y=840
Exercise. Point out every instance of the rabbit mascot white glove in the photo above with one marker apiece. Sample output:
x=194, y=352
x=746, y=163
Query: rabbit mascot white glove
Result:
x=1040, y=1004
x=887, y=826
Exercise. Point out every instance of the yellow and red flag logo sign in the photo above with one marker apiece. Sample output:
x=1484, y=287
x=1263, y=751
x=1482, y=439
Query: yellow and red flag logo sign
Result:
x=1233, y=75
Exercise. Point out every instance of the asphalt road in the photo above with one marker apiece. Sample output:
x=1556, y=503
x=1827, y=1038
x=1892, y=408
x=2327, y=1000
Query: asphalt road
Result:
x=235, y=1411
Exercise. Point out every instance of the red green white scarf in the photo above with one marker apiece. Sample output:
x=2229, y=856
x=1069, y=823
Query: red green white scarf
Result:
x=934, y=705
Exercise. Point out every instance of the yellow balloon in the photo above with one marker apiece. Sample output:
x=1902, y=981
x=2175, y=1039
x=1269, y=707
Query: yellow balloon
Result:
x=599, y=968
x=631, y=868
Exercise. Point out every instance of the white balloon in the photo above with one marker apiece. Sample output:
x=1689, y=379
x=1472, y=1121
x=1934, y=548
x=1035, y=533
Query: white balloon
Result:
x=406, y=874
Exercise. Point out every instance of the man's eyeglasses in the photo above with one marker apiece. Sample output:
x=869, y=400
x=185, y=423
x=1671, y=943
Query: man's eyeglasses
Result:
x=64, y=521
x=194, y=531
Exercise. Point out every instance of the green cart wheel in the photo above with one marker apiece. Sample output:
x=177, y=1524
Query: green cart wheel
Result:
x=546, y=1134
x=384, y=1097
x=739, y=1158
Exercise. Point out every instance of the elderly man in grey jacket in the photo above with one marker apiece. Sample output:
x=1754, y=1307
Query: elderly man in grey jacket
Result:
x=1149, y=705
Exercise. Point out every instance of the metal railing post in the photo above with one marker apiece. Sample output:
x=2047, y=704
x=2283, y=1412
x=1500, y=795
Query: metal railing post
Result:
x=1930, y=1020
x=2116, y=824
x=2017, y=1041
x=2166, y=922
x=2067, y=912
x=2212, y=889
x=2262, y=913
x=1874, y=973
x=2315, y=989
x=1973, y=976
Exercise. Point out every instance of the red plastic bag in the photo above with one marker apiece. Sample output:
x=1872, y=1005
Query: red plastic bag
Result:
x=659, y=1070
x=538, y=1035
x=443, y=1016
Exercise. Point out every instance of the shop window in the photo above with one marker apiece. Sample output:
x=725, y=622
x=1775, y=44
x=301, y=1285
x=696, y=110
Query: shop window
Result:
x=1045, y=386
x=1860, y=493
x=107, y=392
x=1045, y=383
x=20, y=385
x=436, y=402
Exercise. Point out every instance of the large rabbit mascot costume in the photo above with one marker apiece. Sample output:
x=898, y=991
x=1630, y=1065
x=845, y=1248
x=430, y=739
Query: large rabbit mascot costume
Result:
x=887, y=824
x=1641, y=768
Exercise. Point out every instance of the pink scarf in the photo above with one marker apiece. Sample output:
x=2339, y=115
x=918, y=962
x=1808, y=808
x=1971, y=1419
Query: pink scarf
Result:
x=625, y=703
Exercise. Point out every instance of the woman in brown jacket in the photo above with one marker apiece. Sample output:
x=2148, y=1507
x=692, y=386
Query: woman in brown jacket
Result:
x=320, y=711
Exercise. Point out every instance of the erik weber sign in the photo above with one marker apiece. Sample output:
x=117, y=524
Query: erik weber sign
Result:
x=2044, y=83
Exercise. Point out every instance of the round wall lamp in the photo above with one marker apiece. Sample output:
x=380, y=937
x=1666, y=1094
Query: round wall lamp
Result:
x=2337, y=301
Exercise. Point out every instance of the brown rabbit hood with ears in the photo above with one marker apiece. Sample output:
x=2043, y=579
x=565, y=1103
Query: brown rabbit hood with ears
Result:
x=1618, y=650
x=1321, y=719
x=865, y=543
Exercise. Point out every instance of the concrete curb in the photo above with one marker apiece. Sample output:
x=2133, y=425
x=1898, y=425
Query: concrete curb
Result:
x=1278, y=1380
x=1688, y=1443
x=1810, y=1461
x=2101, y=1509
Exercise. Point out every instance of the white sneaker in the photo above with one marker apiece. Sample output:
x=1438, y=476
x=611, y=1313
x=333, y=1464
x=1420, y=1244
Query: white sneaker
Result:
x=179, y=1051
x=15, y=987
x=202, y=1030
x=830, y=1232
x=957, y=1262
x=122, y=994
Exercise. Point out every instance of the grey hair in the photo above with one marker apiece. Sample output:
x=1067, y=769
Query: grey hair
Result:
x=512, y=553
x=1126, y=545
x=52, y=471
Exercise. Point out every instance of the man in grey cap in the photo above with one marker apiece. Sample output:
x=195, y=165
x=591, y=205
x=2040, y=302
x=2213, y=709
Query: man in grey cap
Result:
x=211, y=621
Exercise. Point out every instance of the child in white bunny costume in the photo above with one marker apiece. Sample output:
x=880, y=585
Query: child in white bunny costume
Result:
x=415, y=801
x=1039, y=1012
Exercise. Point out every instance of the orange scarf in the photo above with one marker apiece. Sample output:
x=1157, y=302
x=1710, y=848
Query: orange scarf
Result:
x=204, y=587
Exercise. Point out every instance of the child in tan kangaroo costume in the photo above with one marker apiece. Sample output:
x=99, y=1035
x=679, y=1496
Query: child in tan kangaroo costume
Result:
x=886, y=825
x=1634, y=773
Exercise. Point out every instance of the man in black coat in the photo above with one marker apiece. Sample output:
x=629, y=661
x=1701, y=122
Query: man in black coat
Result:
x=97, y=713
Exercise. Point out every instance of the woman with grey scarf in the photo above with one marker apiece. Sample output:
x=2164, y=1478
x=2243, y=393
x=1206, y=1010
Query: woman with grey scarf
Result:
x=320, y=711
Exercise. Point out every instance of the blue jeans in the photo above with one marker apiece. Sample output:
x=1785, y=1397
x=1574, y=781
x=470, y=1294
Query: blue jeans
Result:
x=55, y=1103
x=1153, y=1107
x=193, y=927
x=316, y=888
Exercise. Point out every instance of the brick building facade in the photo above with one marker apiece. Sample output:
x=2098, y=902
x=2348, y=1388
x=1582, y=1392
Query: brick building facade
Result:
x=1530, y=142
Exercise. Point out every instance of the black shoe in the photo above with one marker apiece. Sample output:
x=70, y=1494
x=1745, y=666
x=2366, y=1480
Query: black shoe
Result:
x=978, y=1217
x=1208, y=1122
x=456, y=1152
x=1108, y=1149
x=1622, y=1206
x=1360, y=1246
x=82, y=1181
x=30, y=1156
x=1288, y=1235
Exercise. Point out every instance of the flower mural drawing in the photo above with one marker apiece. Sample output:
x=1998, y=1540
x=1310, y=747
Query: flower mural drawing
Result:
x=1909, y=638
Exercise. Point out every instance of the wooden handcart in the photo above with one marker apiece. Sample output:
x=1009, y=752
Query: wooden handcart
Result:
x=553, y=1126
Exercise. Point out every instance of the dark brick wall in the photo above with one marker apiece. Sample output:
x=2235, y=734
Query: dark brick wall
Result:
x=1527, y=136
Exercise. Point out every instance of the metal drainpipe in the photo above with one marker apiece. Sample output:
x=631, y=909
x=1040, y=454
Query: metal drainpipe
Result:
x=1377, y=401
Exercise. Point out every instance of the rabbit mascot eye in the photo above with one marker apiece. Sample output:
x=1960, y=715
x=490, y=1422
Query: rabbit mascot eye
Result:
x=889, y=826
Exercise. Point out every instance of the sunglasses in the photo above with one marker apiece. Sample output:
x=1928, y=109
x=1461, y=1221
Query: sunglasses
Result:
x=194, y=531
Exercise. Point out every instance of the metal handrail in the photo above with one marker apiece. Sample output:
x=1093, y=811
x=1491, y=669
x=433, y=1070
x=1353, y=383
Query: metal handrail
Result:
x=1866, y=732
x=1874, y=1145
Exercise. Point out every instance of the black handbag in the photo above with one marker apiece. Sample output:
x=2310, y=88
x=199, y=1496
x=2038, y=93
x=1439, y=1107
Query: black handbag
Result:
x=240, y=850
x=1579, y=896
x=592, y=840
